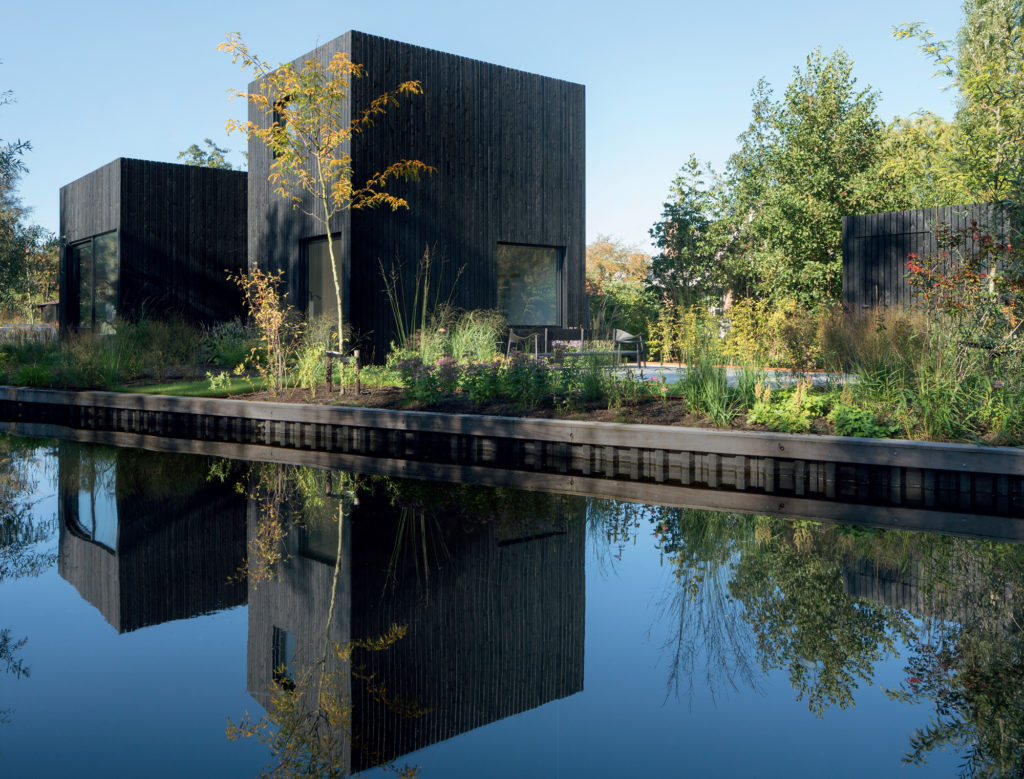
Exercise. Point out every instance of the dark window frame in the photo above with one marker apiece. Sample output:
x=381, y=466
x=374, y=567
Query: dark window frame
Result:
x=560, y=303
x=302, y=290
x=74, y=276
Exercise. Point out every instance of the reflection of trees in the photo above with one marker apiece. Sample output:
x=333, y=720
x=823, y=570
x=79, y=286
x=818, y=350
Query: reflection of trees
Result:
x=791, y=586
x=769, y=592
x=971, y=670
x=21, y=533
x=703, y=549
x=308, y=721
x=827, y=603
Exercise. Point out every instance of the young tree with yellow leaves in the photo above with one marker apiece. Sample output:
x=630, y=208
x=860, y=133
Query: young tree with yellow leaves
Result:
x=307, y=134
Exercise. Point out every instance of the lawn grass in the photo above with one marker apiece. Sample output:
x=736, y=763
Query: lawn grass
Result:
x=198, y=388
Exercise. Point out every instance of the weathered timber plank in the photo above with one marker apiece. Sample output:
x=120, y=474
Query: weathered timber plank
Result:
x=998, y=528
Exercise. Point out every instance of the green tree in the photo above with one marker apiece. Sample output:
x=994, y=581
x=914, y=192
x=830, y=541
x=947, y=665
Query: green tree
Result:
x=617, y=285
x=210, y=157
x=795, y=177
x=29, y=254
x=986, y=66
x=308, y=135
x=689, y=267
x=914, y=168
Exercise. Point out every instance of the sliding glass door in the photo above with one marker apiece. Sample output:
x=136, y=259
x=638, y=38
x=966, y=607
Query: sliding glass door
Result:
x=95, y=262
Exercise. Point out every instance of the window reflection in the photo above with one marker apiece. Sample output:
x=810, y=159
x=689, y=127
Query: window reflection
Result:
x=528, y=284
x=97, y=516
x=321, y=298
x=95, y=261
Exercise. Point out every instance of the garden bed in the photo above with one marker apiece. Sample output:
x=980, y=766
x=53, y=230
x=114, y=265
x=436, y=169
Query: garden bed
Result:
x=648, y=411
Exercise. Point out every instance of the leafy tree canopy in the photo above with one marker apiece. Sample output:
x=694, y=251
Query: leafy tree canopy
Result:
x=771, y=225
x=617, y=286
x=28, y=253
x=985, y=64
x=210, y=157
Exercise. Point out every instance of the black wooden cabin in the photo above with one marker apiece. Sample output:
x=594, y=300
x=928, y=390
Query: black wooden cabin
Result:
x=495, y=627
x=877, y=247
x=151, y=238
x=146, y=538
x=506, y=205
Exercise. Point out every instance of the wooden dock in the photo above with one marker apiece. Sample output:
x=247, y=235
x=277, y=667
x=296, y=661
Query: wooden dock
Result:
x=825, y=477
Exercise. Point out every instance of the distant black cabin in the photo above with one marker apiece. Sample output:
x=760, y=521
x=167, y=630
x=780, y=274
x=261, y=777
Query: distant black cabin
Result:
x=876, y=248
x=506, y=205
x=151, y=238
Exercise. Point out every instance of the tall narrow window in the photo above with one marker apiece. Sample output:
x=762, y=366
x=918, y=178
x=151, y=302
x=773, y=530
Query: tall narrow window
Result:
x=283, y=658
x=280, y=116
x=320, y=297
x=81, y=261
x=95, y=262
x=105, y=281
x=529, y=284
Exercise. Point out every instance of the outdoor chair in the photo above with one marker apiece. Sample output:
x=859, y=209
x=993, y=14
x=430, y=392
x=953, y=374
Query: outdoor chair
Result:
x=628, y=345
x=517, y=341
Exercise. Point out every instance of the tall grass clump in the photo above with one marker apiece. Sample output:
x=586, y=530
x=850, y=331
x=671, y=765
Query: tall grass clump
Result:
x=916, y=376
x=476, y=335
x=706, y=389
x=419, y=310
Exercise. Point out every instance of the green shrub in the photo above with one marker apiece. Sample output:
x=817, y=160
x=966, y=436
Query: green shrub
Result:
x=228, y=343
x=482, y=381
x=527, y=381
x=33, y=375
x=706, y=389
x=788, y=411
x=475, y=336
x=419, y=381
x=850, y=420
x=379, y=376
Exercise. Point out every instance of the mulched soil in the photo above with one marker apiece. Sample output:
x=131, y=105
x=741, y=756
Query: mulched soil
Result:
x=652, y=411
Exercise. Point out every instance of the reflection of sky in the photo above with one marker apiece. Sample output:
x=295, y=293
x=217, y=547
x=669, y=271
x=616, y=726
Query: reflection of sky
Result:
x=154, y=702
x=627, y=723
x=97, y=514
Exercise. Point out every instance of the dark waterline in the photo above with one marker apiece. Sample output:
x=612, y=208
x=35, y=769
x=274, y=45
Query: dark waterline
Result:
x=563, y=635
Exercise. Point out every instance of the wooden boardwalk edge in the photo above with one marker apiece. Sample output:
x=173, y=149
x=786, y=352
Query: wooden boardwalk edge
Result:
x=910, y=475
x=965, y=458
x=1003, y=529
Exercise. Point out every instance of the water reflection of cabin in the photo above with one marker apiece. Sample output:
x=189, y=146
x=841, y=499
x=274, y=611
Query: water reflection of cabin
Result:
x=952, y=586
x=150, y=238
x=143, y=557
x=495, y=618
x=506, y=204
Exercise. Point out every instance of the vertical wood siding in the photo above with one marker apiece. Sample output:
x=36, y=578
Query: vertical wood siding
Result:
x=89, y=206
x=876, y=248
x=177, y=556
x=180, y=230
x=509, y=151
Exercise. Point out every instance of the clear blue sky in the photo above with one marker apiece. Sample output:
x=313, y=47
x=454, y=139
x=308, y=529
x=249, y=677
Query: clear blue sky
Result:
x=99, y=80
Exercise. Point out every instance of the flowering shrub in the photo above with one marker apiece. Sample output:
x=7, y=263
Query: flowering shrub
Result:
x=419, y=380
x=981, y=292
x=482, y=381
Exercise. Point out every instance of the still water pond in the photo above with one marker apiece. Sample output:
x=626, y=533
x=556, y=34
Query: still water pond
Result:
x=172, y=615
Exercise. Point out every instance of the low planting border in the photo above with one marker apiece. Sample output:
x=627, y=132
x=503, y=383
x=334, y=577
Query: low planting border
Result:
x=985, y=481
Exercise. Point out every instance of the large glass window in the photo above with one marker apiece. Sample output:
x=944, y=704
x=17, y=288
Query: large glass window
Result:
x=95, y=261
x=92, y=511
x=529, y=287
x=320, y=298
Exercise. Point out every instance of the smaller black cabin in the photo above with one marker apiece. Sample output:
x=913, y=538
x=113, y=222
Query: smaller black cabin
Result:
x=151, y=238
